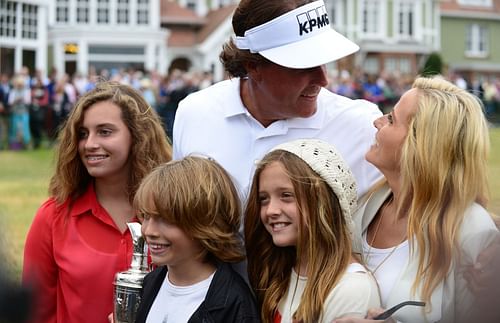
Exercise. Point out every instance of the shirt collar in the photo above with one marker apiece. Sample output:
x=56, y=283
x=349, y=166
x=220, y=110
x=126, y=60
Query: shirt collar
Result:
x=86, y=202
x=238, y=107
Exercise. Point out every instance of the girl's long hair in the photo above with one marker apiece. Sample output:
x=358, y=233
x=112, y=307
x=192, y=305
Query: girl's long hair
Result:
x=150, y=146
x=324, y=240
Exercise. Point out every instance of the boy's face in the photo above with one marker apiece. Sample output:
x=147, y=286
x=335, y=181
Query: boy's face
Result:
x=168, y=244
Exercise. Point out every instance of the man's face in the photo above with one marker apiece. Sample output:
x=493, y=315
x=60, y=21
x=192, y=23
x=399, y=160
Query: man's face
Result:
x=279, y=92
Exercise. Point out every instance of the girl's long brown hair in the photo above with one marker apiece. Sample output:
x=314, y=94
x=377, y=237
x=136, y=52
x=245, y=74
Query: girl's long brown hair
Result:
x=150, y=146
x=324, y=240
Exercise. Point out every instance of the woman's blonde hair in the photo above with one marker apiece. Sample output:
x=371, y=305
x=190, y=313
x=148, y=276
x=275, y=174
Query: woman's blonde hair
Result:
x=443, y=171
x=197, y=195
x=150, y=146
x=323, y=240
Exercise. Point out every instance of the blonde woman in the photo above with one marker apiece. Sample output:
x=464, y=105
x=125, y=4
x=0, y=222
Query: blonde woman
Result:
x=427, y=223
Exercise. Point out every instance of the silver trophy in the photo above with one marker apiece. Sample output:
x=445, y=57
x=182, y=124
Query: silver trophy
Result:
x=128, y=284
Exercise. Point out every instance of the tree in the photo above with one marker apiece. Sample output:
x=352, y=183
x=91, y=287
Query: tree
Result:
x=433, y=65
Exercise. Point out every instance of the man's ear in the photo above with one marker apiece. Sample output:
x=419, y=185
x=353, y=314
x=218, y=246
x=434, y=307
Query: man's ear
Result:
x=253, y=70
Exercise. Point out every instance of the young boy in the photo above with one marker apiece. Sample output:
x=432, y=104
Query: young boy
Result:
x=191, y=216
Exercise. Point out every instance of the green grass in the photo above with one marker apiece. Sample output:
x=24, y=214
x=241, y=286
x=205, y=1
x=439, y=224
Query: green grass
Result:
x=24, y=180
x=494, y=162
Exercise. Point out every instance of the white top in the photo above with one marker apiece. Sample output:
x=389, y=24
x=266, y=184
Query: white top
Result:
x=451, y=300
x=353, y=295
x=387, y=264
x=214, y=122
x=176, y=304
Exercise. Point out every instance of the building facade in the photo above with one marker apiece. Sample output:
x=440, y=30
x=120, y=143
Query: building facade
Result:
x=23, y=35
x=106, y=34
x=196, y=39
x=395, y=36
x=470, y=32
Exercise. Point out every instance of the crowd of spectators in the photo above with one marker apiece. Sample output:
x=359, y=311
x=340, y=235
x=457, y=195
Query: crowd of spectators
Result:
x=385, y=89
x=32, y=106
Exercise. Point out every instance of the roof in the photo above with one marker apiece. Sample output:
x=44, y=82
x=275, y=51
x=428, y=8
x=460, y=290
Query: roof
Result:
x=186, y=28
x=214, y=19
x=454, y=6
x=172, y=13
x=182, y=38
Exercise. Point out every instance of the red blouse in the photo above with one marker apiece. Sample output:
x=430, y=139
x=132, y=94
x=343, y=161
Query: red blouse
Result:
x=71, y=256
x=277, y=317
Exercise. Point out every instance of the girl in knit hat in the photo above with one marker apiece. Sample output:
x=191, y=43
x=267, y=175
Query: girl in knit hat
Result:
x=298, y=236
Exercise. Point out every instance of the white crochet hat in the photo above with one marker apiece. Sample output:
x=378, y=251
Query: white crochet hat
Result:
x=326, y=161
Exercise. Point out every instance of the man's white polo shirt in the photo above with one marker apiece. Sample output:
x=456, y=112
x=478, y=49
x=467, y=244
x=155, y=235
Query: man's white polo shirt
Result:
x=214, y=122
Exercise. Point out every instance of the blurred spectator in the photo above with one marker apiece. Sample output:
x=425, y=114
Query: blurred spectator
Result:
x=491, y=96
x=19, y=101
x=146, y=88
x=50, y=114
x=372, y=91
x=39, y=105
x=345, y=86
x=4, y=109
x=206, y=80
x=81, y=83
x=172, y=93
x=459, y=81
x=65, y=98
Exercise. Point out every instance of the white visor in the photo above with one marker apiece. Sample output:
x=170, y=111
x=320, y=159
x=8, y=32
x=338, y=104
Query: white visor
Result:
x=301, y=38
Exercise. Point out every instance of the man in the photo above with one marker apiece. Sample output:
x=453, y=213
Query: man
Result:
x=277, y=61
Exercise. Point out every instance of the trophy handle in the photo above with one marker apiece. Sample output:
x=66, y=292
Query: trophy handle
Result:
x=140, y=249
x=135, y=231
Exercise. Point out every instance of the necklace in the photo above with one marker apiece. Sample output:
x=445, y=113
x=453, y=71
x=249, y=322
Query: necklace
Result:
x=389, y=201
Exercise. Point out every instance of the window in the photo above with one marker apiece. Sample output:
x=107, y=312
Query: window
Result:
x=82, y=11
x=102, y=11
x=405, y=65
x=476, y=41
x=371, y=65
x=29, y=21
x=223, y=3
x=122, y=12
x=191, y=4
x=479, y=3
x=335, y=13
x=62, y=11
x=142, y=12
x=116, y=50
x=405, y=22
x=370, y=16
x=8, y=18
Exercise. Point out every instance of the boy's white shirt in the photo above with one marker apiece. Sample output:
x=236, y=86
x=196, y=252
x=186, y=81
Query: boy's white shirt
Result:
x=176, y=304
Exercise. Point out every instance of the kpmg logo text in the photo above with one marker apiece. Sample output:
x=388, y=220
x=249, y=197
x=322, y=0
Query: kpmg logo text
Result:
x=312, y=19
